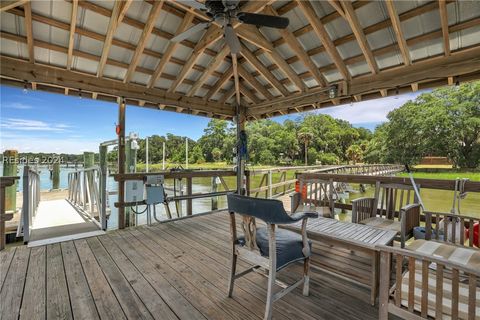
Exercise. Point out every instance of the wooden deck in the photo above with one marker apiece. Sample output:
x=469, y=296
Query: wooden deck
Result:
x=175, y=270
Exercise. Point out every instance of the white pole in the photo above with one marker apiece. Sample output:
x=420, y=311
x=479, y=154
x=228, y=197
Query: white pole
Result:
x=163, y=161
x=146, y=155
x=186, y=153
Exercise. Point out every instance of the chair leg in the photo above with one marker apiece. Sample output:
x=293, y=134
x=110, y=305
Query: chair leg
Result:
x=233, y=270
x=271, y=284
x=306, y=277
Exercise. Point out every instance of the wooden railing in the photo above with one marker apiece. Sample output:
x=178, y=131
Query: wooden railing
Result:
x=31, y=199
x=84, y=193
x=4, y=183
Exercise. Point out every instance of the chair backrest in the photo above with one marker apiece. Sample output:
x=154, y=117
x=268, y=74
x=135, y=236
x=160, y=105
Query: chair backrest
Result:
x=391, y=197
x=319, y=192
x=269, y=210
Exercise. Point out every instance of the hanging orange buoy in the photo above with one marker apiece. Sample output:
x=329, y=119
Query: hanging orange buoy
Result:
x=475, y=228
x=118, y=129
x=304, y=189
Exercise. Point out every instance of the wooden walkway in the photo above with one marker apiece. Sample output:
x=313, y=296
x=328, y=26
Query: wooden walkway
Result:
x=174, y=270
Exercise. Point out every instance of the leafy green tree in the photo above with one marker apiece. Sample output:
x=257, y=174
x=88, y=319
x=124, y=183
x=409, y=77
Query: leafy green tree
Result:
x=355, y=153
x=217, y=154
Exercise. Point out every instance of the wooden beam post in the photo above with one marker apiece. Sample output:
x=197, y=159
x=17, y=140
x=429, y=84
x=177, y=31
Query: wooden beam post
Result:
x=241, y=158
x=29, y=31
x=442, y=8
x=397, y=28
x=121, y=162
x=73, y=23
x=10, y=160
x=103, y=152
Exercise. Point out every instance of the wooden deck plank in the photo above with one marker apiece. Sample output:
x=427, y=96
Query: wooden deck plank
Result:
x=81, y=299
x=12, y=290
x=35, y=286
x=58, y=299
x=152, y=300
x=105, y=300
x=126, y=296
x=5, y=261
x=150, y=270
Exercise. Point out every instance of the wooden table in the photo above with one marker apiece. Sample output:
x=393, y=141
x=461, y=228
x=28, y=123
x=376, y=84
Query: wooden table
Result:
x=351, y=236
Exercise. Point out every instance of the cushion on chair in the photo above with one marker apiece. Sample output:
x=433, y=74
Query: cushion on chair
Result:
x=322, y=211
x=289, y=246
x=383, y=223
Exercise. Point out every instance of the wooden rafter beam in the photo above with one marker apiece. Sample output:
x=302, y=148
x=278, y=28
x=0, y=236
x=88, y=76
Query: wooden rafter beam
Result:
x=29, y=31
x=7, y=5
x=186, y=21
x=457, y=64
x=227, y=95
x=123, y=11
x=247, y=76
x=112, y=27
x=397, y=28
x=338, y=7
x=254, y=36
x=321, y=33
x=257, y=64
x=212, y=66
x=249, y=94
x=46, y=75
x=147, y=31
x=71, y=38
x=442, y=8
x=219, y=84
x=296, y=46
x=235, y=78
x=351, y=17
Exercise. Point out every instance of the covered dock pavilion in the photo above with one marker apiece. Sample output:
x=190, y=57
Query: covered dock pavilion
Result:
x=332, y=52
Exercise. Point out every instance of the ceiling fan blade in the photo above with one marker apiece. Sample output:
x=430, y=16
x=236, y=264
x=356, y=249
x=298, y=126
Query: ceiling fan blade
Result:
x=263, y=20
x=190, y=32
x=194, y=4
x=231, y=39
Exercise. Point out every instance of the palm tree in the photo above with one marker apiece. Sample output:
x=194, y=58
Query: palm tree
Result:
x=305, y=137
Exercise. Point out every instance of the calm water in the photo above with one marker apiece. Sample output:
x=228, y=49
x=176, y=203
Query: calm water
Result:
x=434, y=200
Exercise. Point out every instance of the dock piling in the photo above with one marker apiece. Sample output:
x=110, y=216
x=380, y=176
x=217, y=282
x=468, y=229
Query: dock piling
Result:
x=10, y=161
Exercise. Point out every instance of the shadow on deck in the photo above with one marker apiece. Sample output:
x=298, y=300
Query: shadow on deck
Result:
x=174, y=270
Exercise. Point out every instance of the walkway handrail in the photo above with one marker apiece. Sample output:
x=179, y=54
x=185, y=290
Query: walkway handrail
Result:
x=84, y=193
x=31, y=199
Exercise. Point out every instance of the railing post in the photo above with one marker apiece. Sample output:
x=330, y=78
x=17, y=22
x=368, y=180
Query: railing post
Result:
x=214, y=189
x=270, y=189
x=189, y=193
x=103, y=186
x=26, y=205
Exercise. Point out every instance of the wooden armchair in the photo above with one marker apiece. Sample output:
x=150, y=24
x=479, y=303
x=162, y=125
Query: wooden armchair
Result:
x=440, y=284
x=315, y=196
x=257, y=244
x=390, y=201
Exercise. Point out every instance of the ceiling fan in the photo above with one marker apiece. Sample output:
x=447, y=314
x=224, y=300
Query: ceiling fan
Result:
x=223, y=12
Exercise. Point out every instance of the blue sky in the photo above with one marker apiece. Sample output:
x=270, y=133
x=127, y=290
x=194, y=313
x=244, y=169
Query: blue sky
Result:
x=44, y=122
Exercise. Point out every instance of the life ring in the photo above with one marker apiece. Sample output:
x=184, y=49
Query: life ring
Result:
x=304, y=189
x=476, y=228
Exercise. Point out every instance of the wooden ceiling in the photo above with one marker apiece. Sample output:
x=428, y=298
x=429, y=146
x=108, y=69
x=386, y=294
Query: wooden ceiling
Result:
x=260, y=77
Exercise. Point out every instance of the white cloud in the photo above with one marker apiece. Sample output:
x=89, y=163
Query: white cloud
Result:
x=31, y=125
x=369, y=111
x=17, y=105
x=29, y=144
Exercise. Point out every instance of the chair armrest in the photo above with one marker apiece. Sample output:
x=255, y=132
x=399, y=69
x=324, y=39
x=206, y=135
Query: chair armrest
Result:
x=295, y=201
x=303, y=215
x=362, y=208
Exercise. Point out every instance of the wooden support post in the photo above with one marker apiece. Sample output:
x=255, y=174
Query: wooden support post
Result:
x=121, y=162
x=103, y=185
x=240, y=122
x=10, y=161
x=88, y=159
x=214, y=189
x=56, y=176
x=189, y=193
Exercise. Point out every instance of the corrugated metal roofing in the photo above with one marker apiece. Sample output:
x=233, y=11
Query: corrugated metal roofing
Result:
x=51, y=25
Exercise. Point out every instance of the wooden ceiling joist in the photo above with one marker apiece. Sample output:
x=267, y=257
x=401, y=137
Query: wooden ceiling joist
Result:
x=8, y=4
x=236, y=78
x=219, y=84
x=29, y=30
x=24, y=71
x=71, y=37
x=442, y=8
x=227, y=95
x=212, y=66
x=247, y=76
x=123, y=11
x=397, y=28
x=147, y=31
x=112, y=27
x=170, y=50
x=249, y=94
x=351, y=17
x=296, y=46
x=321, y=33
x=257, y=64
